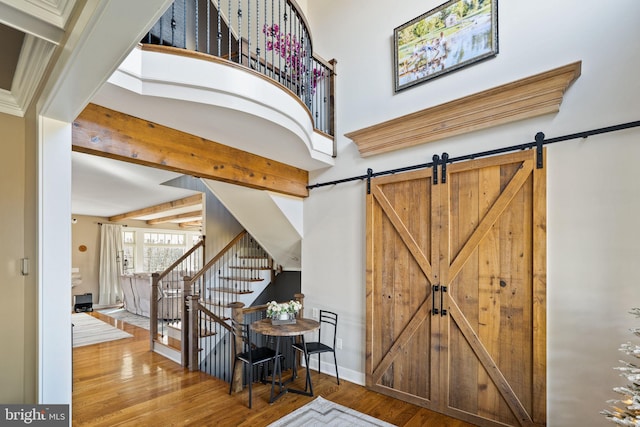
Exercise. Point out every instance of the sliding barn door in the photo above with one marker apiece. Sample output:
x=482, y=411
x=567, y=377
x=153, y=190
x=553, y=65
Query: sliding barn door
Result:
x=401, y=246
x=456, y=290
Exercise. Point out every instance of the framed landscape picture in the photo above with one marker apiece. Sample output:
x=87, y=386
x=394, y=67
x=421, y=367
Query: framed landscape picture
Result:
x=454, y=35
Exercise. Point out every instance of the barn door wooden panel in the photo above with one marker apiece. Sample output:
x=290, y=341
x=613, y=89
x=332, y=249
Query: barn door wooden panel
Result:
x=399, y=302
x=486, y=312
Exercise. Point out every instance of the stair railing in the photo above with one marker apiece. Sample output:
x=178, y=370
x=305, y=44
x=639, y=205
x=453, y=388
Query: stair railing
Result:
x=200, y=318
x=167, y=290
x=230, y=272
x=271, y=37
x=209, y=295
x=251, y=314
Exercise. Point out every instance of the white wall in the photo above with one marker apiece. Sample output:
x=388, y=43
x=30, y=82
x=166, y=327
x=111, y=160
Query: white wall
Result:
x=593, y=184
x=54, y=266
x=12, y=284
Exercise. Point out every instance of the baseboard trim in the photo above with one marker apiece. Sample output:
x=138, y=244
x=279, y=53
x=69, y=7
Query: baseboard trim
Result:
x=345, y=373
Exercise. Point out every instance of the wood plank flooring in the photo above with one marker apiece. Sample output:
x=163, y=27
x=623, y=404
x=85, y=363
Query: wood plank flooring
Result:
x=123, y=383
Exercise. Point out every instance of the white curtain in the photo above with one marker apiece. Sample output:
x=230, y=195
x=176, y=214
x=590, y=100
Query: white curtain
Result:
x=110, y=268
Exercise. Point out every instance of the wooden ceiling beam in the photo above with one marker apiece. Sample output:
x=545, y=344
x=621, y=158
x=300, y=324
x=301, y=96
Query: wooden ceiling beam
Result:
x=187, y=216
x=190, y=224
x=115, y=135
x=194, y=200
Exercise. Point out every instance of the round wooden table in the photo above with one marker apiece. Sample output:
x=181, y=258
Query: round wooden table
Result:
x=301, y=327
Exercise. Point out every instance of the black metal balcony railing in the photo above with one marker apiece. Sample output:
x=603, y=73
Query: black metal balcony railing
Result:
x=269, y=36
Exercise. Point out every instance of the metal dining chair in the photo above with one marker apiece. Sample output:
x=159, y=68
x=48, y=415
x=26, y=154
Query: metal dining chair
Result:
x=328, y=324
x=250, y=355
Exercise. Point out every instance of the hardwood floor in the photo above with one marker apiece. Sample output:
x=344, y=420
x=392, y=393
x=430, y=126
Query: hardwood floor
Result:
x=123, y=383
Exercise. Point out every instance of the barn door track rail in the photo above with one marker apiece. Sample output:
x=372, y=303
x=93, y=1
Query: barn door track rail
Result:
x=444, y=159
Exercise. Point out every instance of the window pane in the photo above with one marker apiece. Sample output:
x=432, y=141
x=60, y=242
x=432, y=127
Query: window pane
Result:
x=129, y=264
x=128, y=237
x=157, y=249
x=160, y=258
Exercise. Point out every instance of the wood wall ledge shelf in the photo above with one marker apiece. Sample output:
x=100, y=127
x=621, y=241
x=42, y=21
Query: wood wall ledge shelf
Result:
x=529, y=97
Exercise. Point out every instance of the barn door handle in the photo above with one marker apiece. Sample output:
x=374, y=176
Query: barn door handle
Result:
x=443, y=311
x=434, y=310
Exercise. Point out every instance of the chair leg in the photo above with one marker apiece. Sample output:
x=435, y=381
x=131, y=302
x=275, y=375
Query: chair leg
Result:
x=263, y=373
x=295, y=364
x=335, y=361
x=307, y=361
x=250, y=382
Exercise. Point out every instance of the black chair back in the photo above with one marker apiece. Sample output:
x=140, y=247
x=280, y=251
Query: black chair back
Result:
x=329, y=320
x=240, y=330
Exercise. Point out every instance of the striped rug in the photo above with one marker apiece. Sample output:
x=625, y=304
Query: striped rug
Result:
x=322, y=412
x=127, y=317
x=88, y=330
x=132, y=319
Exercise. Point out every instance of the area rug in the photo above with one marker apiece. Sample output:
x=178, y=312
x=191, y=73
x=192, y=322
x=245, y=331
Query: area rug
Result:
x=88, y=330
x=130, y=318
x=127, y=316
x=322, y=412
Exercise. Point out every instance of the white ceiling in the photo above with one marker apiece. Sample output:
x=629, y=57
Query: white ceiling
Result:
x=105, y=187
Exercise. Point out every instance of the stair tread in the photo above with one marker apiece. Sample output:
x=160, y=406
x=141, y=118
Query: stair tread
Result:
x=238, y=267
x=203, y=333
x=230, y=290
x=241, y=279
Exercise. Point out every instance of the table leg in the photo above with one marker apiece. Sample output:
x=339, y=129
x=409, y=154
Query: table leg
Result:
x=277, y=368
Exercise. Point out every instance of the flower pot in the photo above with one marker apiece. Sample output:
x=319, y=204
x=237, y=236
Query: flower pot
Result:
x=283, y=319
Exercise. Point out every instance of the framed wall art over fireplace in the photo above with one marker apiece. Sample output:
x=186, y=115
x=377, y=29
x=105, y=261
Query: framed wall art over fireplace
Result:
x=454, y=35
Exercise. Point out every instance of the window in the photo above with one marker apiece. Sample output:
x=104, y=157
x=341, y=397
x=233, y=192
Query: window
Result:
x=151, y=250
x=161, y=250
x=129, y=249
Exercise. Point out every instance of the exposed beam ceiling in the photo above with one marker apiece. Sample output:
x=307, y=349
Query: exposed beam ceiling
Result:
x=108, y=133
x=161, y=209
x=190, y=224
x=186, y=217
x=186, y=212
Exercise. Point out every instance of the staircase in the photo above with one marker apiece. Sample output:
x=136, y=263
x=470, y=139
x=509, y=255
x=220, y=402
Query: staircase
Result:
x=238, y=273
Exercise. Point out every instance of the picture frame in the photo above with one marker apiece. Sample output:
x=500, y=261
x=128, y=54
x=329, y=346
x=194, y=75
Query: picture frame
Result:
x=452, y=36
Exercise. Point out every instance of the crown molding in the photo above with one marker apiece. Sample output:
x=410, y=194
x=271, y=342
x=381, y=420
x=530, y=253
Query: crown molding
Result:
x=8, y=104
x=42, y=19
x=33, y=62
x=529, y=97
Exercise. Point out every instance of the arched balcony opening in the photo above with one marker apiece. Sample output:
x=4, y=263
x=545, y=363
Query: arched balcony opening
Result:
x=268, y=36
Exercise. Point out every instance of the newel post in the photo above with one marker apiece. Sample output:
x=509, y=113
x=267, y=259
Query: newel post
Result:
x=185, y=322
x=237, y=314
x=332, y=104
x=153, y=308
x=194, y=339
